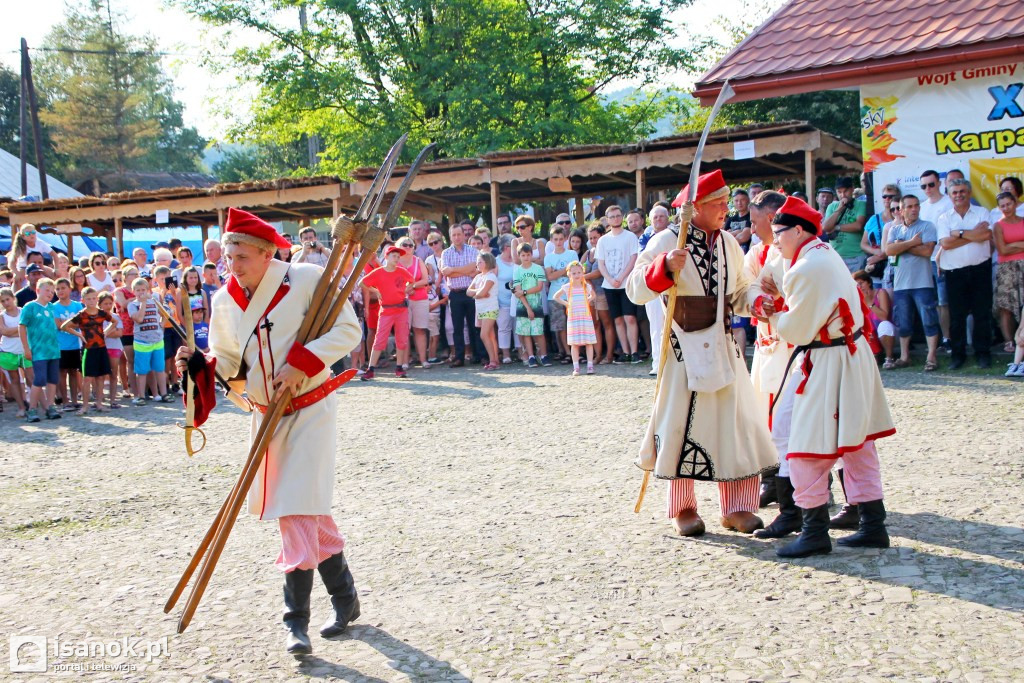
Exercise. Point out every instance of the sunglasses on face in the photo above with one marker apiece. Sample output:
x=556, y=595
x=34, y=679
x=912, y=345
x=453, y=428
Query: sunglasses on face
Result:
x=564, y=222
x=894, y=208
x=925, y=186
x=888, y=196
x=434, y=242
x=29, y=233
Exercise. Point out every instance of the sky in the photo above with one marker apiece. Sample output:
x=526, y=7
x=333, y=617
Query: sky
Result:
x=202, y=92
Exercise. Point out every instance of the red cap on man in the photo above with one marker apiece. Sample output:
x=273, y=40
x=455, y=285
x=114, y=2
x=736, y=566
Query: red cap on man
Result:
x=244, y=223
x=796, y=212
x=709, y=186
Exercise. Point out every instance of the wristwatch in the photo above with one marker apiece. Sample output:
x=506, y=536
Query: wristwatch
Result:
x=961, y=234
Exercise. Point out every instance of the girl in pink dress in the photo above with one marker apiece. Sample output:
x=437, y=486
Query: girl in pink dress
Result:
x=576, y=296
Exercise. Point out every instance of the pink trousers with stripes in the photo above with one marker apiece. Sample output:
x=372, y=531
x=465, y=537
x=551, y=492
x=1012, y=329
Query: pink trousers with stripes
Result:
x=307, y=540
x=741, y=495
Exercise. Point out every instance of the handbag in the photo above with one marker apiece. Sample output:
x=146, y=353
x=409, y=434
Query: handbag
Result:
x=706, y=353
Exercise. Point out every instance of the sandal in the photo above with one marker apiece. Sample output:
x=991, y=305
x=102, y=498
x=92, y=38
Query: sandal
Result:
x=889, y=364
x=900, y=363
x=930, y=366
x=1008, y=347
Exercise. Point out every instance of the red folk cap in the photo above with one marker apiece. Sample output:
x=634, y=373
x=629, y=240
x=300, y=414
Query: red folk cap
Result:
x=796, y=212
x=392, y=249
x=245, y=223
x=706, y=185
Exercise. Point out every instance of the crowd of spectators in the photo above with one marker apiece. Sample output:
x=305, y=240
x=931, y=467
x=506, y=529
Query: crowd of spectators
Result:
x=938, y=259
x=85, y=335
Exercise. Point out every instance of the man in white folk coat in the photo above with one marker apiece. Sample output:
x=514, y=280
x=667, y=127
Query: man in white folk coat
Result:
x=705, y=425
x=255, y=319
x=832, y=404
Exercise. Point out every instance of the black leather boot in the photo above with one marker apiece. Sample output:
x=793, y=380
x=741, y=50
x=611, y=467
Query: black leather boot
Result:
x=298, y=584
x=813, y=539
x=342, y=587
x=849, y=516
x=768, y=494
x=872, y=533
x=790, y=518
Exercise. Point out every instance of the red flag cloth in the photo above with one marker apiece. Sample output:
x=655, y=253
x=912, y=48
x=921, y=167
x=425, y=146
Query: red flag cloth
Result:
x=201, y=381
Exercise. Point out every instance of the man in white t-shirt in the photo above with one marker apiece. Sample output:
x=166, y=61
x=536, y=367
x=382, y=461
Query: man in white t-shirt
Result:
x=965, y=236
x=934, y=205
x=556, y=261
x=616, y=255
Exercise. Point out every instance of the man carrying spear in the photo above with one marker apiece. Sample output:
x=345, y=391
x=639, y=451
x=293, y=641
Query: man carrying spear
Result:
x=706, y=424
x=253, y=329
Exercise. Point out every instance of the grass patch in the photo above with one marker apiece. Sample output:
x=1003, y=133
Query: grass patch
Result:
x=59, y=526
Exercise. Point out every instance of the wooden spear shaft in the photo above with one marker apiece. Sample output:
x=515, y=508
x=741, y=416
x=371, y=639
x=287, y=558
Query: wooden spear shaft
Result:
x=666, y=335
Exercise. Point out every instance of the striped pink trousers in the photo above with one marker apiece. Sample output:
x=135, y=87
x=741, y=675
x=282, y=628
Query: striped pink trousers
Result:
x=733, y=496
x=307, y=540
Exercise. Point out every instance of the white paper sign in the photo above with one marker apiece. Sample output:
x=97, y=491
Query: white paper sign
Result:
x=743, y=150
x=162, y=216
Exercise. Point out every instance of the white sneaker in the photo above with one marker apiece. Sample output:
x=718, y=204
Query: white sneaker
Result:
x=1020, y=370
x=1012, y=370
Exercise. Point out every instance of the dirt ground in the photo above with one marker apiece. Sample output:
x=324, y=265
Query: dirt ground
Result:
x=491, y=534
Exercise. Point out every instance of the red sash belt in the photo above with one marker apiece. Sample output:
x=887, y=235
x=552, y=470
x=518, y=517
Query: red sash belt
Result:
x=311, y=397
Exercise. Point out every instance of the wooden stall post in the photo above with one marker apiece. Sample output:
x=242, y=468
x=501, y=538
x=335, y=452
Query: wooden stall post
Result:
x=119, y=236
x=641, y=189
x=809, y=175
x=495, y=205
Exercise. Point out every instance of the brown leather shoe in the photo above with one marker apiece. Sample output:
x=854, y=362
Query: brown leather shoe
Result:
x=743, y=522
x=688, y=523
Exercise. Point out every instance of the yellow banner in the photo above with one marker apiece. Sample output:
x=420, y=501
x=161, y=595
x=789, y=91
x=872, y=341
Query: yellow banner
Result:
x=985, y=175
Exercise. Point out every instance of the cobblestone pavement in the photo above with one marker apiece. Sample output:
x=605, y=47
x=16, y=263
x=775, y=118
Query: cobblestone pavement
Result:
x=492, y=542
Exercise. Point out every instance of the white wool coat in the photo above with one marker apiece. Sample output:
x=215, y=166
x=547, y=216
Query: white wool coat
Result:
x=714, y=436
x=842, y=403
x=256, y=334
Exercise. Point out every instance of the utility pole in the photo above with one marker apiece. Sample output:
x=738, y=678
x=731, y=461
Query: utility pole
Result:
x=37, y=134
x=23, y=134
x=312, y=141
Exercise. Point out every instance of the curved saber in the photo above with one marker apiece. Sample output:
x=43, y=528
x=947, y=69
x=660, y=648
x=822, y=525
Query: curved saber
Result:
x=724, y=95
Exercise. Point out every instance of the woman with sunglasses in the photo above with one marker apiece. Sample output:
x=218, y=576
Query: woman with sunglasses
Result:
x=99, y=279
x=871, y=240
x=25, y=241
x=524, y=227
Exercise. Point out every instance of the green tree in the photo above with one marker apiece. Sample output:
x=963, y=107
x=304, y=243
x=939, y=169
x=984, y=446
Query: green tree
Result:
x=10, y=124
x=111, y=107
x=260, y=162
x=834, y=111
x=10, y=102
x=472, y=75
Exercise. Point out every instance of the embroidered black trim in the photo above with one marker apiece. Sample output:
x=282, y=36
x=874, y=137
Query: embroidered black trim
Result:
x=694, y=457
